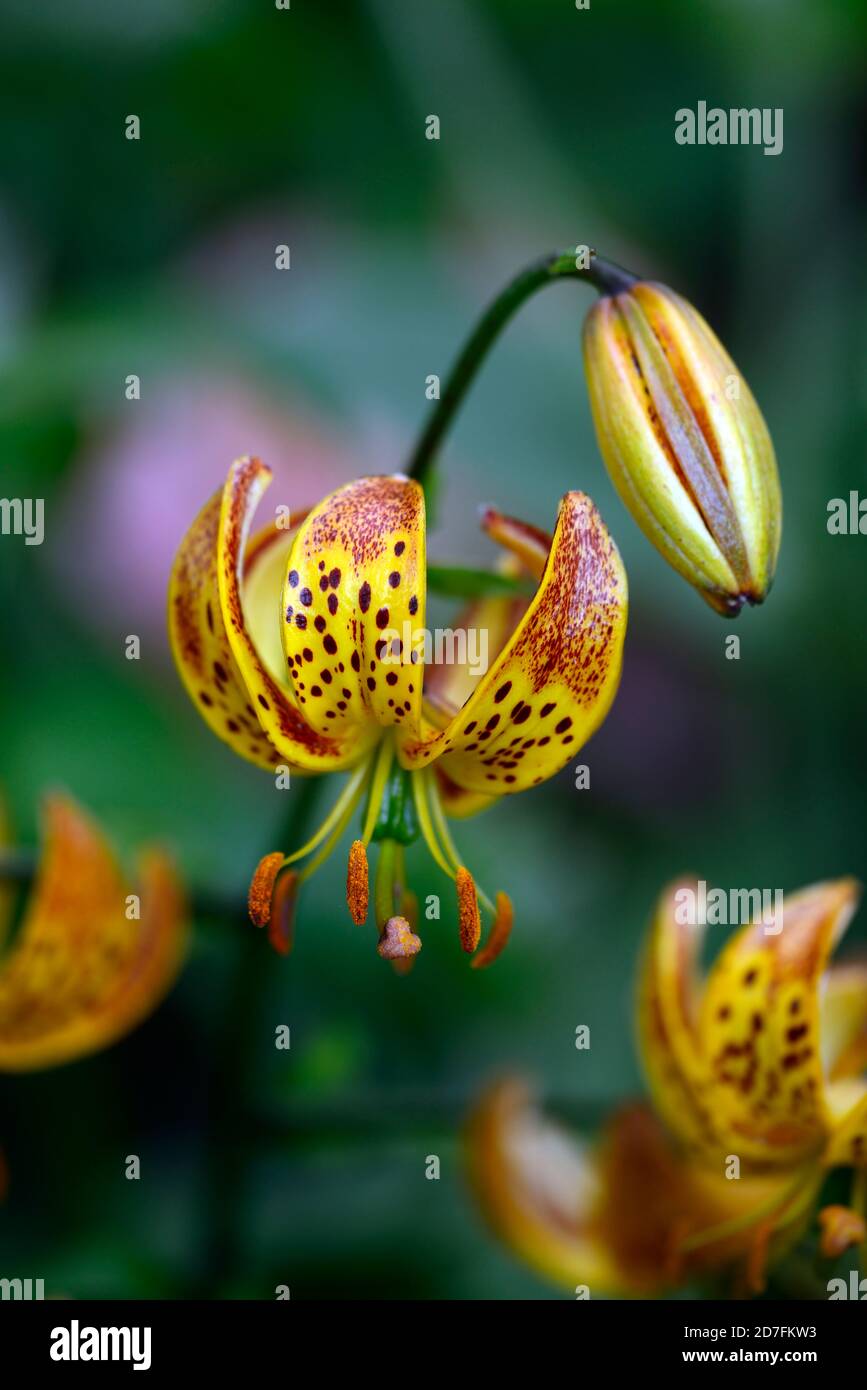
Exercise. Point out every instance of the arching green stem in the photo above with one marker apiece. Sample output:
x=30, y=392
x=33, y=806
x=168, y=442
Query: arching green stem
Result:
x=563, y=265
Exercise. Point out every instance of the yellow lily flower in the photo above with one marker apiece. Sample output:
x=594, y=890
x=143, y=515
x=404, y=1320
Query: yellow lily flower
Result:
x=303, y=648
x=90, y=961
x=754, y=1075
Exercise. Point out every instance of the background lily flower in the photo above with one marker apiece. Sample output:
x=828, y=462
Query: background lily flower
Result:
x=760, y=1062
x=301, y=647
x=84, y=969
x=685, y=442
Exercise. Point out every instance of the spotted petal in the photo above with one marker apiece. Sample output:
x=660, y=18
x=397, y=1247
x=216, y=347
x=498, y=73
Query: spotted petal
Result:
x=667, y=1012
x=265, y=559
x=448, y=684
x=225, y=675
x=353, y=604
x=847, y=1105
x=844, y=1020
x=552, y=684
x=760, y=1027
x=81, y=972
x=538, y=1188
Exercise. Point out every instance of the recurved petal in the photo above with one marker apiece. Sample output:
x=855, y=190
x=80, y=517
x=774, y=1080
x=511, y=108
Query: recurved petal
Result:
x=354, y=609
x=632, y=1215
x=552, y=684
x=847, y=1110
x=538, y=1188
x=844, y=1020
x=667, y=1218
x=201, y=646
x=760, y=1027
x=487, y=624
x=458, y=803
x=297, y=737
x=668, y=1001
x=265, y=560
x=528, y=544
x=82, y=973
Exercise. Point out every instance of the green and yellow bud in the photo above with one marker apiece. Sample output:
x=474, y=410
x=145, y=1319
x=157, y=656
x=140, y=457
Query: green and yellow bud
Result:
x=684, y=441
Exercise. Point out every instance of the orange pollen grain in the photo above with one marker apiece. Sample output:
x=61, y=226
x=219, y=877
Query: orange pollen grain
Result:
x=357, y=883
x=499, y=934
x=398, y=941
x=261, y=888
x=469, y=921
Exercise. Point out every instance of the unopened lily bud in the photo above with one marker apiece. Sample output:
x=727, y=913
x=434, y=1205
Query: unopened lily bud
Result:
x=684, y=441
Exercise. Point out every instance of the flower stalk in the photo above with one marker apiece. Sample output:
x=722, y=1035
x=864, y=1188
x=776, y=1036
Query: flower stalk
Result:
x=603, y=275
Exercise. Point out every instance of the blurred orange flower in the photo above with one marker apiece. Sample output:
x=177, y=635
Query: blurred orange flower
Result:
x=91, y=960
x=755, y=1078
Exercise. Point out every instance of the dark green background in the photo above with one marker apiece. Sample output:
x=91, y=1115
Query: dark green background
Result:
x=263, y=1168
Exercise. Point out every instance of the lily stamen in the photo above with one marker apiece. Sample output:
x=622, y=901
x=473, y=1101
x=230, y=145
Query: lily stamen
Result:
x=498, y=936
x=444, y=833
x=348, y=811
x=349, y=796
x=281, y=928
x=357, y=883
x=262, y=888
x=469, y=919
x=419, y=794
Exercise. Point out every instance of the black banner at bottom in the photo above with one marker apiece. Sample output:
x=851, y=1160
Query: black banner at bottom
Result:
x=159, y=1339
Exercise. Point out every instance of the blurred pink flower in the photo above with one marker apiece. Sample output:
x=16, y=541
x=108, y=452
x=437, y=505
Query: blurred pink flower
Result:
x=131, y=498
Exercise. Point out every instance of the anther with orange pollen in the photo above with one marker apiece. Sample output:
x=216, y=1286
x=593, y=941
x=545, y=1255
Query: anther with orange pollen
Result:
x=304, y=648
x=357, y=883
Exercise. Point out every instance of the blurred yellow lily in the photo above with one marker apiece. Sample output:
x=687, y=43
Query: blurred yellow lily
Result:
x=90, y=961
x=304, y=648
x=754, y=1075
x=684, y=441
